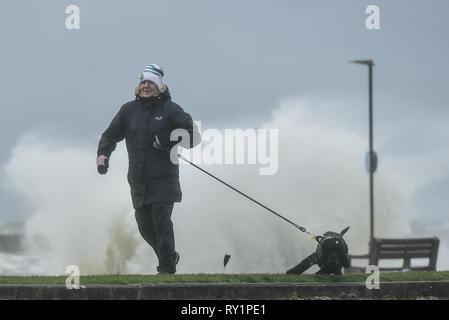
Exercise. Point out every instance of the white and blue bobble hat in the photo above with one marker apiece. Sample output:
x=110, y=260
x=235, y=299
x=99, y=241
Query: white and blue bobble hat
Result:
x=153, y=73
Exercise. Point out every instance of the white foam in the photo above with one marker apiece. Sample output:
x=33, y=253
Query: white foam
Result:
x=82, y=218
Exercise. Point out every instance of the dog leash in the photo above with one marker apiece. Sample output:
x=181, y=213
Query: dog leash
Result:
x=313, y=236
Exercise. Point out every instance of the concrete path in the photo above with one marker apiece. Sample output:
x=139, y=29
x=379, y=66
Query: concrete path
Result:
x=258, y=291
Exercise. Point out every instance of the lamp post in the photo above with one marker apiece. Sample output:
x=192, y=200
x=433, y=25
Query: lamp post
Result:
x=371, y=157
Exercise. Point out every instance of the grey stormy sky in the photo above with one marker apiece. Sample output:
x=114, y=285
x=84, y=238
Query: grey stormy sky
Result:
x=229, y=63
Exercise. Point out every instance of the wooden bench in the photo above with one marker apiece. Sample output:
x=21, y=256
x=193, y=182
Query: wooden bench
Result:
x=405, y=249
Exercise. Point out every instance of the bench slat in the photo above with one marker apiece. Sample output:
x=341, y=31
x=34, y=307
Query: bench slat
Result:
x=401, y=268
x=410, y=249
x=402, y=255
x=409, y=245
x=408, y=241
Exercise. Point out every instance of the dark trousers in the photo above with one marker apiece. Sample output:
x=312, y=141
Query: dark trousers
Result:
x=156, y=227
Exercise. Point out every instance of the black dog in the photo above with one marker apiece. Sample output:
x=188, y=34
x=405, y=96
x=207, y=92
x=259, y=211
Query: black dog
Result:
x=331, y=255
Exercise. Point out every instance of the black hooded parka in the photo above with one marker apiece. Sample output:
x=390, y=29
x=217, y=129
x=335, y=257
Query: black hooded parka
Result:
x=151, y=174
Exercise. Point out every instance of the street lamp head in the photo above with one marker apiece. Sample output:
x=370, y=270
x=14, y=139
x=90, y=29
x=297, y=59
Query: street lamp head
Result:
x=367, y=62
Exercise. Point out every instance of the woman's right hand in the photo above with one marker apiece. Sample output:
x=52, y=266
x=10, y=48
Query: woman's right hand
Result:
x=102, y=164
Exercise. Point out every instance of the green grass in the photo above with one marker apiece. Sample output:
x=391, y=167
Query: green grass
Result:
x=224, y=278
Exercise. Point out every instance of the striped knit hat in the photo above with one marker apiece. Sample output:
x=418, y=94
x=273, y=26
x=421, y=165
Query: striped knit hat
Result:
x=153, y=73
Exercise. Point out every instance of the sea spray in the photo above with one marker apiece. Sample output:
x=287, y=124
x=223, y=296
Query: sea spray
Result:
x=82, y=218
x=78, y=217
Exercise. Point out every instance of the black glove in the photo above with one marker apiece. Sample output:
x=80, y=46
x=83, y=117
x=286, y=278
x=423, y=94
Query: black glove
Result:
x=103, y=168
